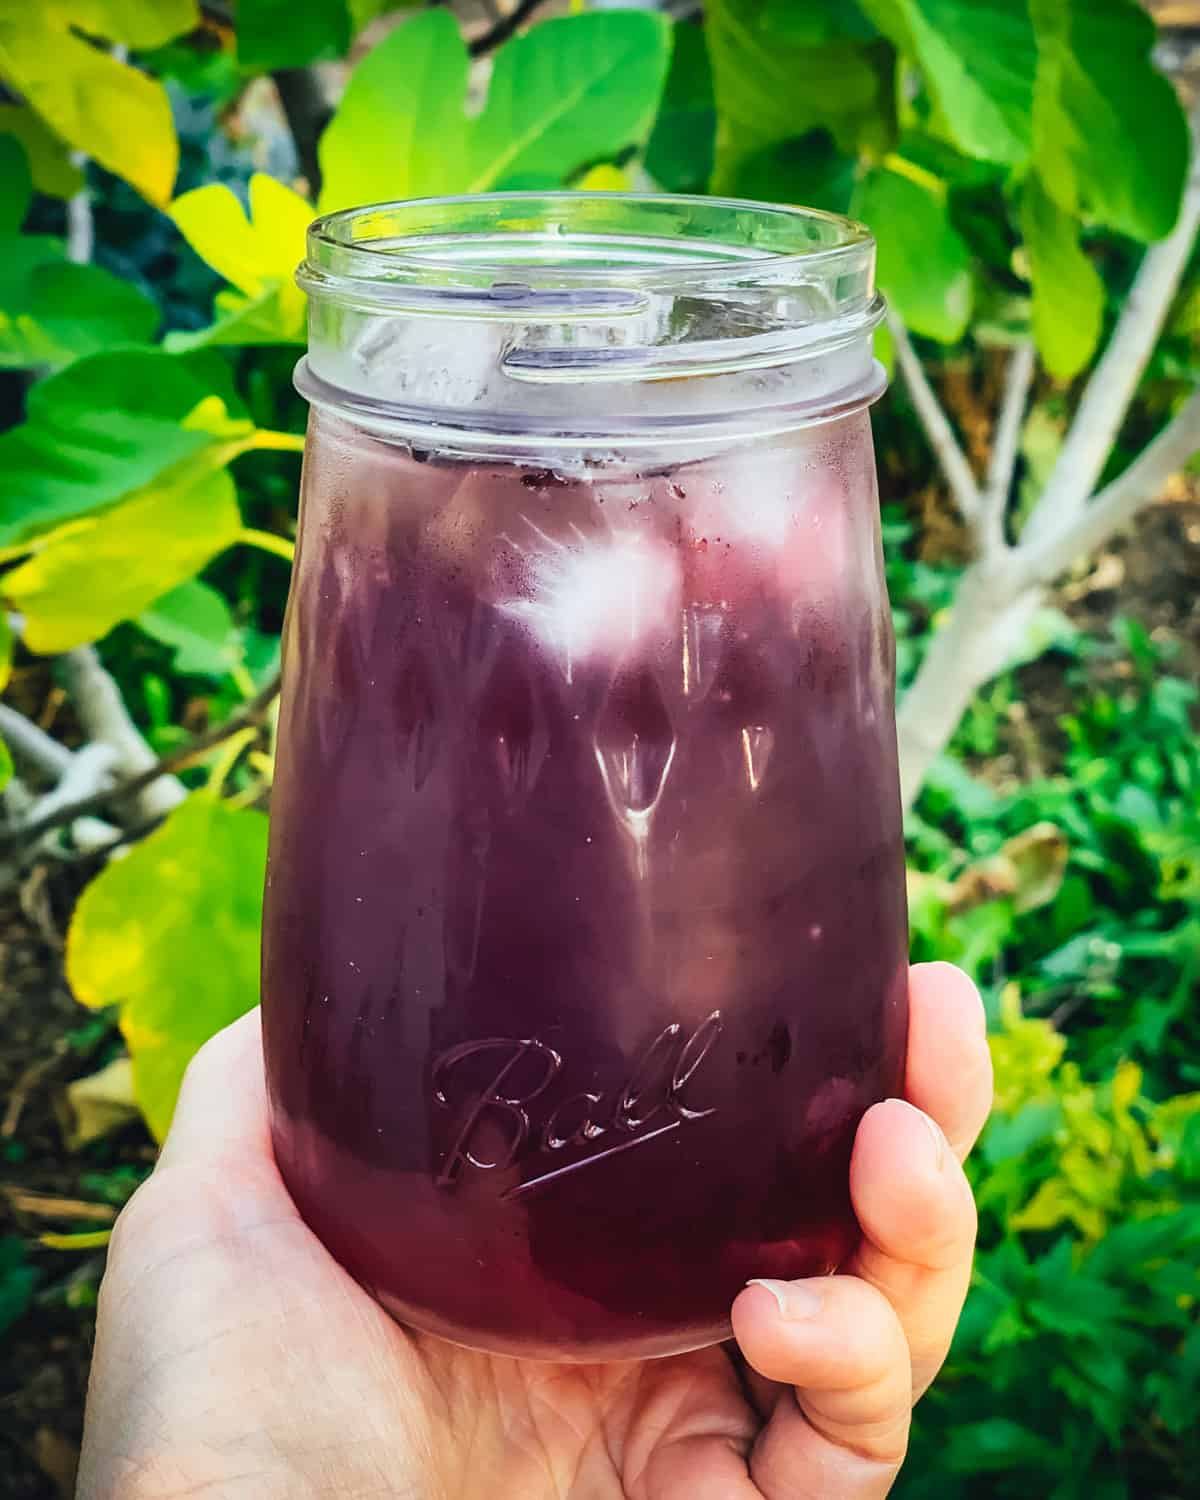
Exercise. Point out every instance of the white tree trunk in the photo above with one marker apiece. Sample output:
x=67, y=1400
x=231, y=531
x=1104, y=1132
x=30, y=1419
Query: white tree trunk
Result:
x=986, y=625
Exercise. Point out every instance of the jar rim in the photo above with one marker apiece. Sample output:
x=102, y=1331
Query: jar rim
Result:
x=555, y=240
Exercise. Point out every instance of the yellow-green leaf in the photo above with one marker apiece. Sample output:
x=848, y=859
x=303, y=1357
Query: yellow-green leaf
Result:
x=136, y=23
x=96, y=104
x=6, y=650
x=170, y=933
x=258, y=254
x=6, y=765
x=1068, y=294
x=53, y=171
x=92, y=573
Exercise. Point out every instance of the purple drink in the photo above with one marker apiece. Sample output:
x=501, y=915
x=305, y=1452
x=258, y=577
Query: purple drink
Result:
x=585, y=935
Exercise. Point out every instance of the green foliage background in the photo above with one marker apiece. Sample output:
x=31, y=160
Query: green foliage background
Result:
x=1012, y=156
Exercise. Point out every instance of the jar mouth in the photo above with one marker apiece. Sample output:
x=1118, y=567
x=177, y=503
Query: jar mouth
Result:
x=660, y=305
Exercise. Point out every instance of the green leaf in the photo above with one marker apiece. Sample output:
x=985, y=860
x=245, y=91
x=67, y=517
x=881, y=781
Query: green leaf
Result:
x=290, y=33
x=772, y=85
x=16, y=185
x=1110, y=138
x=135, y=23
x=52, y=312
x=1068, y=294
x=197, y=622
x=92, y=573
x=53, y=171
x=95, y=103
x=105, y=426
x=679, y=155
x=170, y=933
x=257, y=253
x=6, y=765
x=923, y=264
x=978, y=58
x=400, y=131
x=572, y=91
x=809, y=172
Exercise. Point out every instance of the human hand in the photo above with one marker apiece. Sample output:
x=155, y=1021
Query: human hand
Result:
x=235, y=1358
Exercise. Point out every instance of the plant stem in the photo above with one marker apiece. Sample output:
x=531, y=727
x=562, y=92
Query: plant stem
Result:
x=266, y=440
x=267, y=541
x=228, y=758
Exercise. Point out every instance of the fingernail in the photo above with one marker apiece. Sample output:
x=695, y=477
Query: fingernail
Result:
x=938, y=1140
x=795, y=1300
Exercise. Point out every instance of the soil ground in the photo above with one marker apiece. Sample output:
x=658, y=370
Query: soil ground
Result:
x=45, y=1038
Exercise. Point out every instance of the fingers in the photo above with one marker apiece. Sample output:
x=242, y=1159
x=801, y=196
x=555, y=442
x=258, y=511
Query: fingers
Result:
x=949, y=1072
x=918, y=1221
x=839, y=1343
x=221, y=1114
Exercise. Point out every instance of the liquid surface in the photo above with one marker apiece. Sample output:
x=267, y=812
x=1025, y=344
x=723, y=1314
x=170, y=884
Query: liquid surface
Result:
x=585, y=937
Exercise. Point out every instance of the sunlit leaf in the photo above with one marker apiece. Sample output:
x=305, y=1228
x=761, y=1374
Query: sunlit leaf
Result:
x=257, y=254
x=136, y=23
x=105, y=426
x=98, y=105
x=923, y=265
x=6, y=765
x=773, y=84
x=400, y=131
x=1110, y=138
x=170, y=934
x=92, y=573
x=6, y=650
x=978, y=59
x=196, y=621
x=679, y=154
x=53, y=171
x=570, y=92
x=1068, y=294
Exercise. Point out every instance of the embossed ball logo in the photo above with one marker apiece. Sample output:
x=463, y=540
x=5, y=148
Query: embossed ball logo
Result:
x=498, y=1097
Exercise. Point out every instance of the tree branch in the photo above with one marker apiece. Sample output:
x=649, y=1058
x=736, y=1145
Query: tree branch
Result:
x=937, y=427
x=31, y=744
x=252, y=713
x=104, y=718
x=307, y=111
x=1006, y=441
x=1118, y=502
x=502, y=30
x=1114, y=382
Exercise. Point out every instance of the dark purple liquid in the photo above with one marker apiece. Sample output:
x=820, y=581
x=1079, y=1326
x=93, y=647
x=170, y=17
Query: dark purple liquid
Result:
x=585, y=934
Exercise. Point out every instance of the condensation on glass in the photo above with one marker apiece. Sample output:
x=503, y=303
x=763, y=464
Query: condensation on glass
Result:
x=585, y=931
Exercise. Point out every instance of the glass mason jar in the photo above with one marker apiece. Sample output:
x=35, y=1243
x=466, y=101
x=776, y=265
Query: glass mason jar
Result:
x=585, y=930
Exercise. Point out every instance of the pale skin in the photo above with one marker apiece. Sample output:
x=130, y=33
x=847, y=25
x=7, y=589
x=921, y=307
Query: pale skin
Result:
x=235, y=1358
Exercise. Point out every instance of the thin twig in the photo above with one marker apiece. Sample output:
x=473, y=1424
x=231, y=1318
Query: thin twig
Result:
x=1118, y=502
x=1006, y=440
x=1113, y=384
x=502, y=30
x=936, y=423
x=251, y=713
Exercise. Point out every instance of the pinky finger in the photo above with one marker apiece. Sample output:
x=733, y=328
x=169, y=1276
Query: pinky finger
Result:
x=838, y=1343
